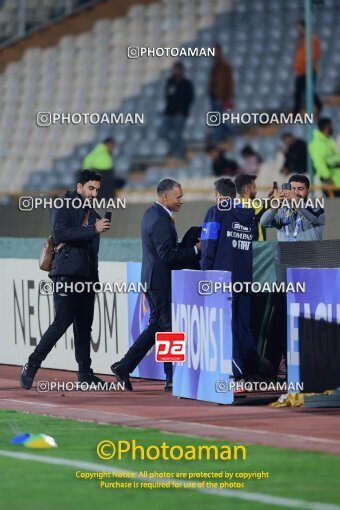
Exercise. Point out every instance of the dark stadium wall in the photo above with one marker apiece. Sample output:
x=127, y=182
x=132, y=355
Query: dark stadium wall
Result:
x=72, y=25
x=126, y=222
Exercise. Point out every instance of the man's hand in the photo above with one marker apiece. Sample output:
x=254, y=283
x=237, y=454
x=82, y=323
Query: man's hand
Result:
x=279, y=196
x=199, y=246
x=102, y=225
x=289, y=194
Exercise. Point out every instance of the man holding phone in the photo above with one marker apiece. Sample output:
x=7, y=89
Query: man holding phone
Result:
x=79, y=229
x=294, y=223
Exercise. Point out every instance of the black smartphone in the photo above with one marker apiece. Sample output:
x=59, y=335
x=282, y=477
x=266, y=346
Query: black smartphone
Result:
x=286, y=185
x=108, y=215
x=275, y=185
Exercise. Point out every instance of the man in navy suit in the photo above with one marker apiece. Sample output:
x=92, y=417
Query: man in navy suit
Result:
x=161, y=254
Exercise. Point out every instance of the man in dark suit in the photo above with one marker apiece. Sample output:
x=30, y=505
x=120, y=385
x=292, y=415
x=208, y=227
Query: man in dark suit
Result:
x=161, y=254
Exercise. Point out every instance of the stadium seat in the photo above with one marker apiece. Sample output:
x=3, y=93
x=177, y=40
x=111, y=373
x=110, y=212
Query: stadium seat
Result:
x=260, y=51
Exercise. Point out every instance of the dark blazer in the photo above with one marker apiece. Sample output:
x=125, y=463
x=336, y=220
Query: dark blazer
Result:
x=79, y=257
x=161, y=252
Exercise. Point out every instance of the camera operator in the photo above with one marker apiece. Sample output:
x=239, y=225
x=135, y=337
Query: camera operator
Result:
x=294, y=222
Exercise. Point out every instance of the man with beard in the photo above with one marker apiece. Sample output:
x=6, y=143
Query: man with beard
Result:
x=246, y=189
x=75, y=232
x=228, y=231
x=295, y=223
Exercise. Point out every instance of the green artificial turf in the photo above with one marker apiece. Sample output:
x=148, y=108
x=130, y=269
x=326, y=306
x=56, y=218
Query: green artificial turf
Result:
x=31, y=485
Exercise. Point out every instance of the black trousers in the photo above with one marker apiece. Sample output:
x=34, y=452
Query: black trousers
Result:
x=160, y=320
x=69, y=307
x=245, y=356
x=300, y=94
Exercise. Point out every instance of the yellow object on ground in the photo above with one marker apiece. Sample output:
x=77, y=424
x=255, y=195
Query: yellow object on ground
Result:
x=295, y=399
x=40, y=441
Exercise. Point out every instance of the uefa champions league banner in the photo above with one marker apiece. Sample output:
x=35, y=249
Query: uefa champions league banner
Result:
x=201, y=308
x=320, y=301
x=138, y=318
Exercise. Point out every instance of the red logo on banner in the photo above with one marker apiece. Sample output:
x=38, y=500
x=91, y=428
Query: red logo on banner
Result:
x=170, y=346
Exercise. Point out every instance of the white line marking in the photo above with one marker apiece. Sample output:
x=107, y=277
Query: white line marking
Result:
x=28, y=402
x=227, y=493
x=214, y=427
x=260, y=432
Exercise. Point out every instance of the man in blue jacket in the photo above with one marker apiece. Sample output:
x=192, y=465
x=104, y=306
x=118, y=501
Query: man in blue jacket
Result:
x=161, y=254
x=227, y=235
x=76, y=261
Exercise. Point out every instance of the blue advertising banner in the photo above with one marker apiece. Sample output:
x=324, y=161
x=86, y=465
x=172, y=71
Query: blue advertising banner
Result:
x=201, y=307
x=138, y=317
x=320, y=301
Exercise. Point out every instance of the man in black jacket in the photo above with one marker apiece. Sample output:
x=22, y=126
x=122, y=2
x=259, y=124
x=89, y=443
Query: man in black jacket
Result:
x=295, y=152
x=161, y=254
x=77, y=261
x=179, y=97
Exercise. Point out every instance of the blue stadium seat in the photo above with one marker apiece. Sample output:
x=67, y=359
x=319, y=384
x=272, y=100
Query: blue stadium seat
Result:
x=258, y=38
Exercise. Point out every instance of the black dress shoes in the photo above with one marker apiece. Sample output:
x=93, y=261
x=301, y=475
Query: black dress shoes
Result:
x=168, y=384
x=90, y=378
x=27, y=375
x=122, y=375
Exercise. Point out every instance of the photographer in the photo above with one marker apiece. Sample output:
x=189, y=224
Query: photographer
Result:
x=293, y=222
x=76, y=260
x=296, y=223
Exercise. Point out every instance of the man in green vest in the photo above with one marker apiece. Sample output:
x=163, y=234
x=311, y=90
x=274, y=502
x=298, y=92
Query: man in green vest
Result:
x=325, y=154
x=100, y=159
